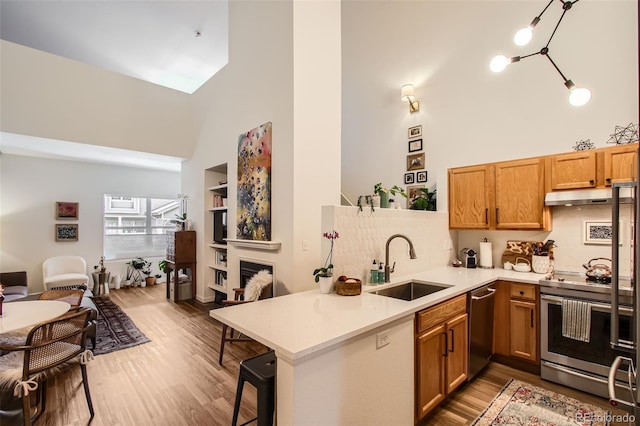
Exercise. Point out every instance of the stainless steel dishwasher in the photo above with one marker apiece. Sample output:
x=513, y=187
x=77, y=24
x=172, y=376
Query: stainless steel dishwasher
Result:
x=481, y=302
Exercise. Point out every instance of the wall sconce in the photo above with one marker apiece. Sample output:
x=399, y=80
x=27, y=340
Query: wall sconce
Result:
x=577, y=96
x=406, y=94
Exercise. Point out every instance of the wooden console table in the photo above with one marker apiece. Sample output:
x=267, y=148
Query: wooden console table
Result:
x=173, y=266
x=181, y=254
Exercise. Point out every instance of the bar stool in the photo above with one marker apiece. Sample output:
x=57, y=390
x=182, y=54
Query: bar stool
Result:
x=260, y=371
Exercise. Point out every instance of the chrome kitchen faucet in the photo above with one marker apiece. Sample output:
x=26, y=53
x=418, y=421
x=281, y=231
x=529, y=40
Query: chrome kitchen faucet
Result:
x=389, y=270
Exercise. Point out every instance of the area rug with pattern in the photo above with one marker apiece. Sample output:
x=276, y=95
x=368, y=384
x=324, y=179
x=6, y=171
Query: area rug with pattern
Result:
x=115, y=330
x=520, y=403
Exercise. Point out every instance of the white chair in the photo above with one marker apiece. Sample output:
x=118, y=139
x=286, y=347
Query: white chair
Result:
x=64, y=271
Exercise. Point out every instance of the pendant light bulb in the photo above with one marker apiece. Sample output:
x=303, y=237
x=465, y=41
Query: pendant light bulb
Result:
x=523, y=37
x=499, y=63
x=579, y=96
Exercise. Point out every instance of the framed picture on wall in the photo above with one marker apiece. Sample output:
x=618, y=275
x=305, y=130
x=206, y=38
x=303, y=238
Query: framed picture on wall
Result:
x=415, y=145
x=408, y=178
x=415, y=131
x=421, y=176
x=66, y=210
x=601, y=232
x=67, y=232
x=415, y=162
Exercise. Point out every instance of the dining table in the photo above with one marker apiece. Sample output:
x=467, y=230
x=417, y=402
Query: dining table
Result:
x=17, y=315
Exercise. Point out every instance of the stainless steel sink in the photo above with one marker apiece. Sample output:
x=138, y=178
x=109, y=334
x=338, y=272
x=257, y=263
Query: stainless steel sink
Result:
x=412, y=290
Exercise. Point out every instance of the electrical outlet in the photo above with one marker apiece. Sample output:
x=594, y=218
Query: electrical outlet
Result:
x=382, y=339
x=305, y=245
x=446, y=244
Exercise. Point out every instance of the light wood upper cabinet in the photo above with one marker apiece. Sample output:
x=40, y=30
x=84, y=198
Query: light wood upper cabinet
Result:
x=574, y=170
x=506, y=195
x=620, y=164
x=519, y=194
x=470, y=191
x=595, y=168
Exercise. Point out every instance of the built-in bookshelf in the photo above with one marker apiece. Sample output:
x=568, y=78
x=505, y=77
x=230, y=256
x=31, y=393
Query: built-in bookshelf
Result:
x=215, y=227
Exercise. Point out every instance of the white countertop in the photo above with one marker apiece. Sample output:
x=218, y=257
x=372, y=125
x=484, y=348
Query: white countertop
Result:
x=299, y=324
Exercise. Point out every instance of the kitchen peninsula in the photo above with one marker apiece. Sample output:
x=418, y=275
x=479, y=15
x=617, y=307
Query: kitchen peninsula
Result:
x=329, y=369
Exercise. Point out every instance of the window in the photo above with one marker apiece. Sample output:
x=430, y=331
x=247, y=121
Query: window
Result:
x=135, y=226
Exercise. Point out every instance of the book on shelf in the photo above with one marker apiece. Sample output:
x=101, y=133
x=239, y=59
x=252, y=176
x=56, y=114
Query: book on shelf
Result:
x=218, y=201
x=221, y=258
x=221, y=277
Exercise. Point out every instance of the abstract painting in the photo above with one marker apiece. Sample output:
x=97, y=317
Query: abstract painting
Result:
x=66, y=210
x=66, y=232
x=254, y=184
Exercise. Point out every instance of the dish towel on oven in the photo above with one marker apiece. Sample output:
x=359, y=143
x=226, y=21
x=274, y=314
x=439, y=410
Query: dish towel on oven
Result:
x=576, y=319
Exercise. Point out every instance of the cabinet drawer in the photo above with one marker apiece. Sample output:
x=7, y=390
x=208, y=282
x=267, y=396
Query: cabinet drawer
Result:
x=523, y=291
x=440, y=313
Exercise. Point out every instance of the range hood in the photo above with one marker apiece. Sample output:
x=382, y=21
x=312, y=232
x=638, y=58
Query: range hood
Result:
x=583, y=197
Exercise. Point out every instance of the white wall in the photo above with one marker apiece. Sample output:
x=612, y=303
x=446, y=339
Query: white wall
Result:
x=262, y=82
x=29, y=188
x=254, y=88
x=470, y=115
x=53, y=97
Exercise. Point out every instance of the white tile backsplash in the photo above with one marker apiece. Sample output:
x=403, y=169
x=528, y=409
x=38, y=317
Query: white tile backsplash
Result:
x=363, y=235
x=568, y=232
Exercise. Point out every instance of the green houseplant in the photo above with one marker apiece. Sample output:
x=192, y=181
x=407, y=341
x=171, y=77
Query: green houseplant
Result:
x=136, y=268
x=425, y=201
x=383, y=193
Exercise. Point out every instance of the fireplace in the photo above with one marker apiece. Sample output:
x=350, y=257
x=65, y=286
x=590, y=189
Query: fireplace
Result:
x=248, y=269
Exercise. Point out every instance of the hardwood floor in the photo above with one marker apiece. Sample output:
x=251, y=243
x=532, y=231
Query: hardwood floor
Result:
x=468, y=401
x=175, y=379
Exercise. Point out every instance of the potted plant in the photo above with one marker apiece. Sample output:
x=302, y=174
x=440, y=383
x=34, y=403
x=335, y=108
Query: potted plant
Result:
x=180, y=221
x=100, y=266
x=135, y=267
x=146, y=270
x=425, y=201
x=367, y=199
x=383, y=193
x=323, y=274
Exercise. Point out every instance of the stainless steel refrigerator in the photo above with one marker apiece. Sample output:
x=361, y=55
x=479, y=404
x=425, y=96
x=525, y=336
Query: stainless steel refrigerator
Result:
x=628, y=359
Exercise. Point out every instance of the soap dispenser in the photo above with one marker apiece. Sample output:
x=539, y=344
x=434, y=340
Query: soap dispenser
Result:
x=374, y=273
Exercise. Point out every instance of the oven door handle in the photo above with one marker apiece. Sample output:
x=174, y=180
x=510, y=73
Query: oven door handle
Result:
x=596, y=306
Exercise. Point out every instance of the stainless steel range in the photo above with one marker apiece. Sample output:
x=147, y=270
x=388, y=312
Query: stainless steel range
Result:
x=583, y=361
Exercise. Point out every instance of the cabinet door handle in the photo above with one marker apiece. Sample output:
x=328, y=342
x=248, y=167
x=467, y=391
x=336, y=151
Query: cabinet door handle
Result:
x=452, y=340
x=497, y=217
x=591, y=181
x=486, y=216
x=446, y=344
x=608, y=179
x=531, y=318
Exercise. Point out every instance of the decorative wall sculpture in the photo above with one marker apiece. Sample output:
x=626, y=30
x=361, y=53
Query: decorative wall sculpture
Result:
x=254, y=184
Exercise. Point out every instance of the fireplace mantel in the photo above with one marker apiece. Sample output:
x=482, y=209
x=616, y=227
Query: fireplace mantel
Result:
x=254, y=244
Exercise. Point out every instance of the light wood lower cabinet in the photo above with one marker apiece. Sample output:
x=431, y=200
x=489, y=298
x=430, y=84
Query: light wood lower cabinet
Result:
x=441, y=353
x=523, y=330
x=516, y=330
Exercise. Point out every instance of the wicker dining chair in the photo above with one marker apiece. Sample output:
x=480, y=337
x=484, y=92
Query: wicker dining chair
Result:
x=51, y=347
